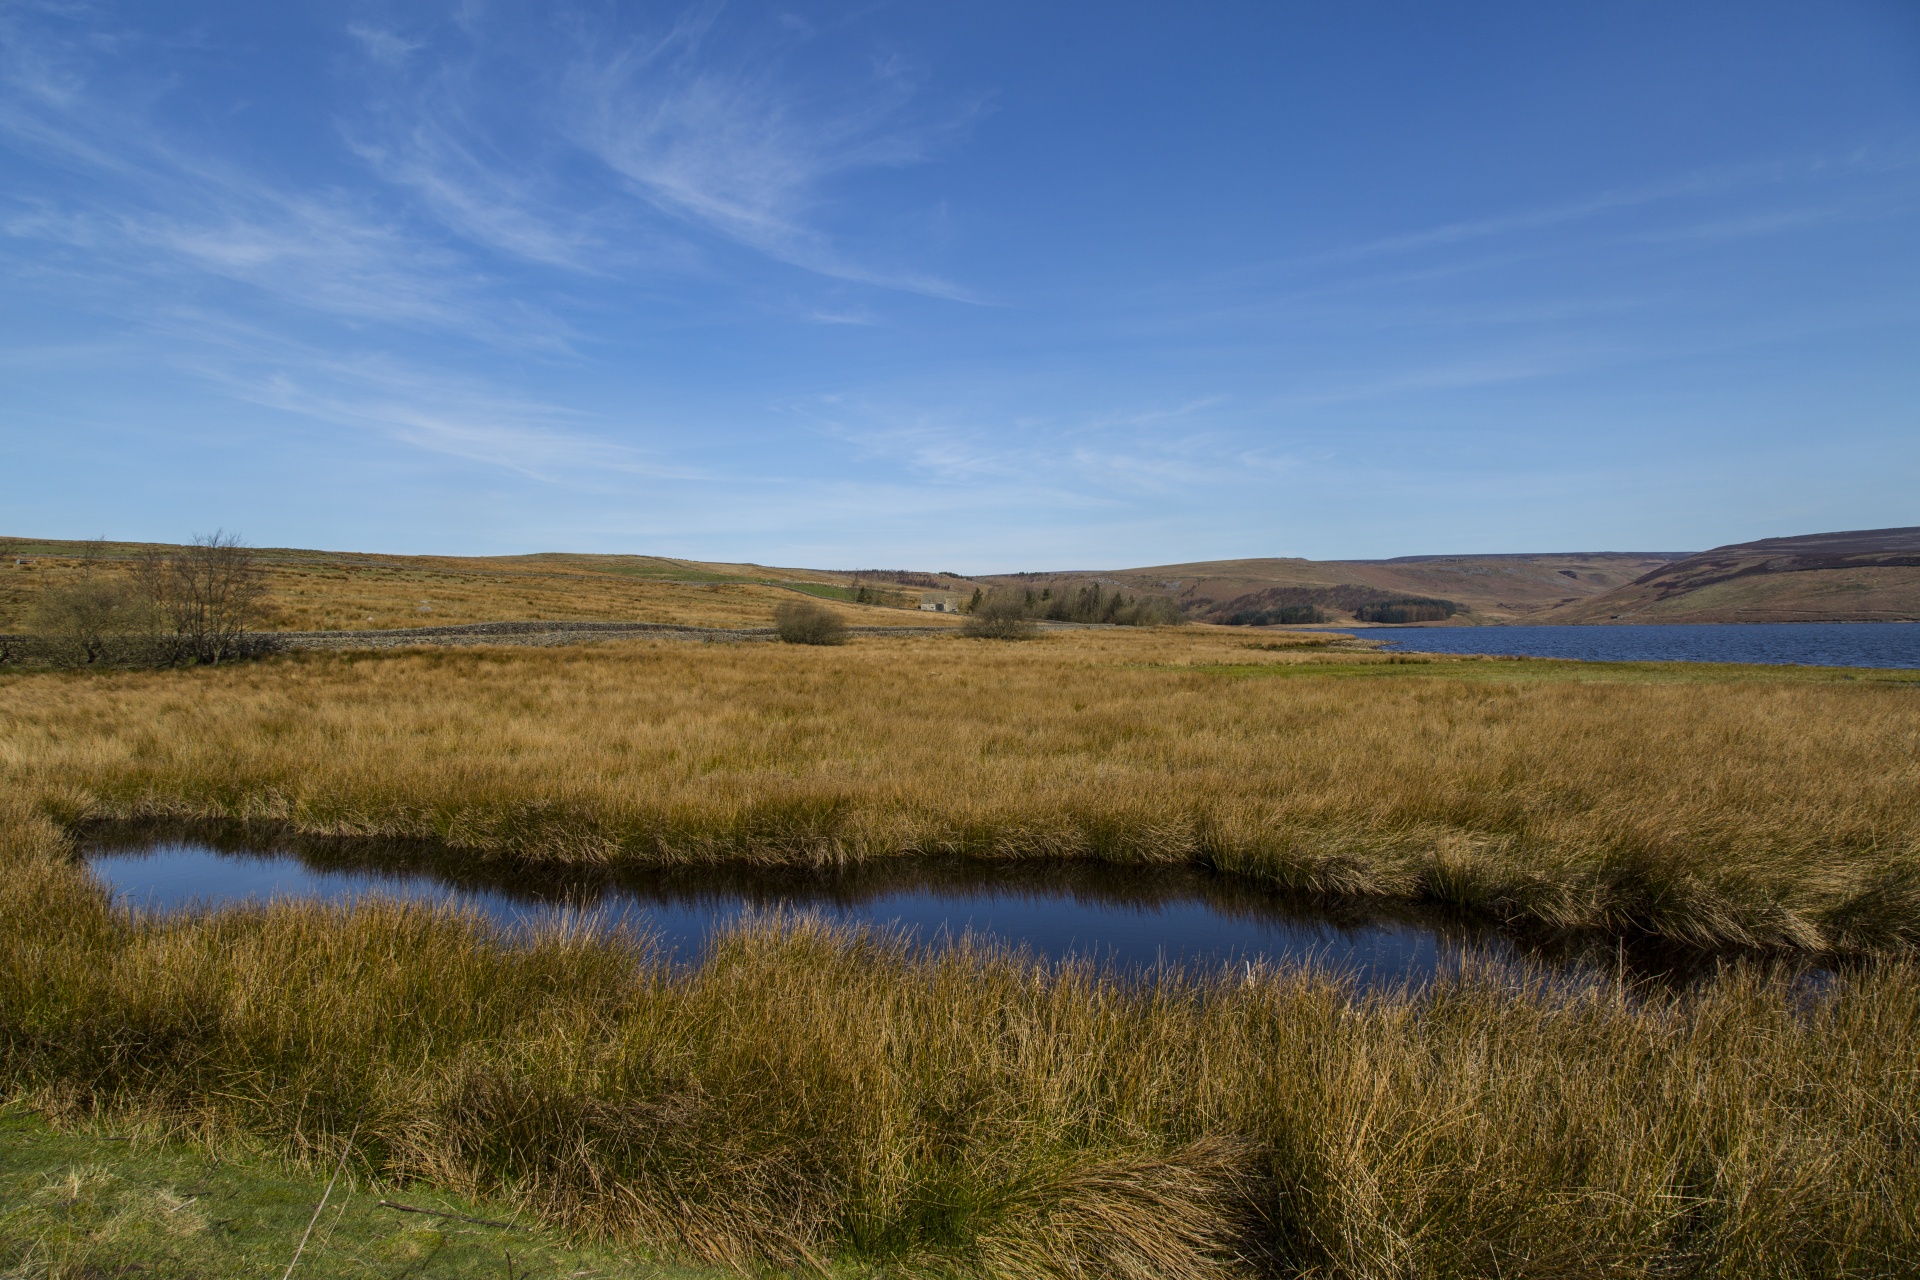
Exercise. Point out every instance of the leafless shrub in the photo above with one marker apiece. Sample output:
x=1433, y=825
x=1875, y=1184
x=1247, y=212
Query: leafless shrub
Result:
x=194, y=604
x=804, y=622
x=1000, y=616
x=203, y=600
x=85, y=622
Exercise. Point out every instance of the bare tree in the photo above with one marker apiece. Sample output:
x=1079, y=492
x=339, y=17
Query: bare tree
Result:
x=83, y=622
x=204, y=599
x=86, y=618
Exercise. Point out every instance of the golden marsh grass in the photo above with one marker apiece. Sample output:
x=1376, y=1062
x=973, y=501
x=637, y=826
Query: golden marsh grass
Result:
x=812, y=1099
x=1724, y=806
x=821, y=1100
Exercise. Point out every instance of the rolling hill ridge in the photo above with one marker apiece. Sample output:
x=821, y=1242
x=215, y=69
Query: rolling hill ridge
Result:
x=1481, y=589
x=1861, y=575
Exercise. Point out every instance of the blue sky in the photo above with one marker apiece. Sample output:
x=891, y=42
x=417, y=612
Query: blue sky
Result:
x=972, y=287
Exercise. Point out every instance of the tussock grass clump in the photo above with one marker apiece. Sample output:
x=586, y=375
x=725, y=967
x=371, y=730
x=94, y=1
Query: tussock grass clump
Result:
x=808, y=1097
x=1728, y=808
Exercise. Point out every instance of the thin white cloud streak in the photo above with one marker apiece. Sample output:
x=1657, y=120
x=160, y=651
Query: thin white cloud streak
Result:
x=484, y=204
x=146, y=209
x=383, y=45
x=1383, y=299
x=1546, y=306
x=458, y=417
x=423, y=133
x=684, y=135
x=1102, y=462
x=382, y=396
x=1707, y=182
x=744, y=154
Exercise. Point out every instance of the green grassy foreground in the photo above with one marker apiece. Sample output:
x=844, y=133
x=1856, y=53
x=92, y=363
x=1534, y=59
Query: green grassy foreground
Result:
x=816, y=1100
x=76, y=1204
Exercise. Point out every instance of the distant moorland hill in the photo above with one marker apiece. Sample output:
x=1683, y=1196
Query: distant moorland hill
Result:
x=1869, y=575
x=1863, y=575
x=1859, y=576
x=355, y=591
x=1473, y=589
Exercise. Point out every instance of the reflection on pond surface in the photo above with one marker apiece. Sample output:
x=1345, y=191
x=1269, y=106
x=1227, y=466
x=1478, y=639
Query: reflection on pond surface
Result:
x=1128, y=917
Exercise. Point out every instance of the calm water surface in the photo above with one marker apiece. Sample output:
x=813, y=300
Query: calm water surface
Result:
x=1826, y=644
x=1126, y=917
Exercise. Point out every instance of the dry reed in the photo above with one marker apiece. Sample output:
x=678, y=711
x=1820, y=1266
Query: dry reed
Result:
x=1726, y=809
x=810, y=1098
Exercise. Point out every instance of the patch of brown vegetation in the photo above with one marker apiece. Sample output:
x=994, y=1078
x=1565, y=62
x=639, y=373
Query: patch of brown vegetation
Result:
x=837, y=1103
x=329, y=591
x=1494, y=588
x=1719, y=806
x=1870, y=575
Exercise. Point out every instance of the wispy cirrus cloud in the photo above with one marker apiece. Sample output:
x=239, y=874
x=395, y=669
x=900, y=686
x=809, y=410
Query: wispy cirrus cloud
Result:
x=457, y=414
x=489, y=203
x=1071, y=460
x=143, y=207
x=1678, y=196
x=459, y=418
x=609, y=152
x=728, y=144
x=383, y=44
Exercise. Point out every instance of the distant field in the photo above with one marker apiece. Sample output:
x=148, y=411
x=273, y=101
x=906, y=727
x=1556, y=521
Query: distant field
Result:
x=331, y=591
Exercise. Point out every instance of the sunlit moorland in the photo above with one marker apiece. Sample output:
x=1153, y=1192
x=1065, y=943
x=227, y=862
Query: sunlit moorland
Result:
x=812, y=1098
x=1723, y=806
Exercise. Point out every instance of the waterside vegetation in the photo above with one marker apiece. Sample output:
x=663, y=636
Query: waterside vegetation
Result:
x=1723, y=807
x=839, y=1102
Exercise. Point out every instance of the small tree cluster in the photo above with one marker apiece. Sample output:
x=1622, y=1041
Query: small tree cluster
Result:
x=1411, y=609
x=1317, y=604
x=1000, y=616
x=804, y=622
x=1090, y=602
x=198, y=604
x=1286, y=614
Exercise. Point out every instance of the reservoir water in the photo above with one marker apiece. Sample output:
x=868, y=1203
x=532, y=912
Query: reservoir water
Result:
x=1125, y=917
x=1827, y=644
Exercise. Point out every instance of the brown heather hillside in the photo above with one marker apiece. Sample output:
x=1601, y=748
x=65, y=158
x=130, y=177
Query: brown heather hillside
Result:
x=1866, y=575
x=353, y=591
x=1494, y=588
x=1870, y=575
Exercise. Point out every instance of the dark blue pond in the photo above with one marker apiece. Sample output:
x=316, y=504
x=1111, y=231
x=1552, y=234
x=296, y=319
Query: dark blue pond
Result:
x=1825, y=644
x=1131, y=918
